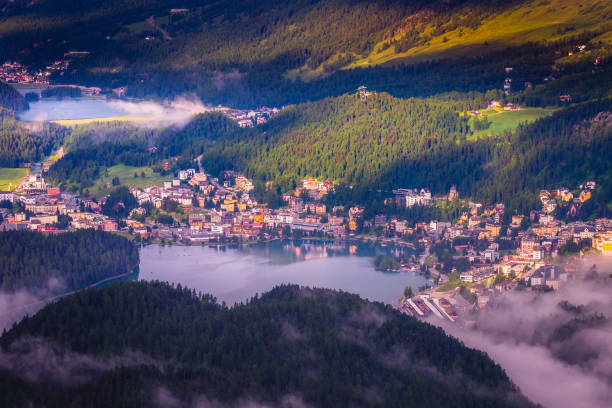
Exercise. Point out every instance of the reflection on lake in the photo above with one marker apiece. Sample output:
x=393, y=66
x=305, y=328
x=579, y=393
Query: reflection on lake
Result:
x=71, y=109
x=235, y=274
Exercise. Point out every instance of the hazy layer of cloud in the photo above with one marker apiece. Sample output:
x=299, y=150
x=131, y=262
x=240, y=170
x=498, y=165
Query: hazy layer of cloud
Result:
x=15, y=305
x=176, y=113
x=148, y=113
x=164, y=398
x=38, y=360
x=223, y=79
x=558, y=356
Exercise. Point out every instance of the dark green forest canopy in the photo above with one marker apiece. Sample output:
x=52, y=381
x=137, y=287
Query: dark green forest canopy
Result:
x=11, y=99
x=326, y=348
x=74, y=260
x=387, y=143
x=375, y=145
x=20, y=143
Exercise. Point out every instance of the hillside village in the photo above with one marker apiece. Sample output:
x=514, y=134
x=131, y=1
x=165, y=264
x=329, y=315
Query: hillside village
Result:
x=470, y=261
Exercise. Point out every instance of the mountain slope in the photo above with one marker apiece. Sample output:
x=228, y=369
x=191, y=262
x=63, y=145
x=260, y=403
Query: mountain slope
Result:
x=72, y=260
x=131, y=344
x=259, y=48
x=11, y=99
x=474, y=28
x=386, y=143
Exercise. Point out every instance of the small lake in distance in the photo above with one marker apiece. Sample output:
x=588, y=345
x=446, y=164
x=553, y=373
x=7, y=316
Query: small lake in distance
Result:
x=235, y=274
x=82, y=108
x=68, y=108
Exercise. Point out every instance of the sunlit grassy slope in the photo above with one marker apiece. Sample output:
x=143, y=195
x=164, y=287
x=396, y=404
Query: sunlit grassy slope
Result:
x=536, y=20
x=126, y=118
x=509, y=120
x=9, y=176
x=103, y=185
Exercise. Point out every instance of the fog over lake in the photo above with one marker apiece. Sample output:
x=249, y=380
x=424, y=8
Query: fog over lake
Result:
x=143, y=113
x=71, y=109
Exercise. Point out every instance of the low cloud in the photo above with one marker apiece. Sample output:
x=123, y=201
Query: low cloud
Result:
x=15, y=305
x=224, y=79
x=556, y=347
x=38, y=360
x=149, y=114
x=165, y=398
x=176, y=113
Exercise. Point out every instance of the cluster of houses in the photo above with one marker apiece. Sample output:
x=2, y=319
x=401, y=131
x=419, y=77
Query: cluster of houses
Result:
x=204, y=210
x=563, y=196
x=17, y=73
x=526, y=255
x=251, y=117
x=14, y=72
x=216, y=210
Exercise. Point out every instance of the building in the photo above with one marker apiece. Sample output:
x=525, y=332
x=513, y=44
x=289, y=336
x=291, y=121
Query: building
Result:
x=603, y=243
x=109, y=225
x=413, y=197
x=493, y=228
x=7, y=196
x=453, y=194
x=316, y=208
x=549, y=275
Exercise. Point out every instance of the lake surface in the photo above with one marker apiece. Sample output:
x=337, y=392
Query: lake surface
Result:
x=71, y=109
x=235, y=274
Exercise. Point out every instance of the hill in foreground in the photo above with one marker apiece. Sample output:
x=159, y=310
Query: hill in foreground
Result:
x=144, y=344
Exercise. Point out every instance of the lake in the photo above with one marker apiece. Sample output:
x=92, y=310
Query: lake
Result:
x=67, y=109
x=235, y=274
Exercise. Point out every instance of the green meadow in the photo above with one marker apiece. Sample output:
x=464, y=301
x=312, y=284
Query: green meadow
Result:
x=103, y=185
x=10, y=177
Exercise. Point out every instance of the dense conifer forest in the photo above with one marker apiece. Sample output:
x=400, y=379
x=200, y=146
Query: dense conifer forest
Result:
x=21, y=143
x=62, y=262
x=382, y=142
x=385, y=142
x=11, y=99
x=291, y=345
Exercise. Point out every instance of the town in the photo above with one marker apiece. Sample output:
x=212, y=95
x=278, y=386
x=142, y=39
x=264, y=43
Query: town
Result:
x=470, y=262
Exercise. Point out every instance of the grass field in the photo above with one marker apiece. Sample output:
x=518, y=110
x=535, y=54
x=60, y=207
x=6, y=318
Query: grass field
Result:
x=126, y=118
x=10, y=176
x=449, y=285
x=103, y=185
x=508, y=120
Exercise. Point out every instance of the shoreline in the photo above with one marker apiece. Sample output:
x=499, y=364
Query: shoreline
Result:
x=72, y=292
x=361, y=239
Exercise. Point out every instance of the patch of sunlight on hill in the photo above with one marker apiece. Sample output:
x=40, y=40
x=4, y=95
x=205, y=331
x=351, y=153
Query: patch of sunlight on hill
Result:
x=103, y=184
x=537, y=20
x=10, y=177
x=126, y=118
x=509, y=120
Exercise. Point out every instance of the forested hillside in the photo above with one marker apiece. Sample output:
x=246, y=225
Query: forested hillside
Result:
x=378, y=143
x=11, y=99
x=63, y=262
x=250, y=53
x=385, y=142
x=291, y=346
x=21, y=142
x=80, y=168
